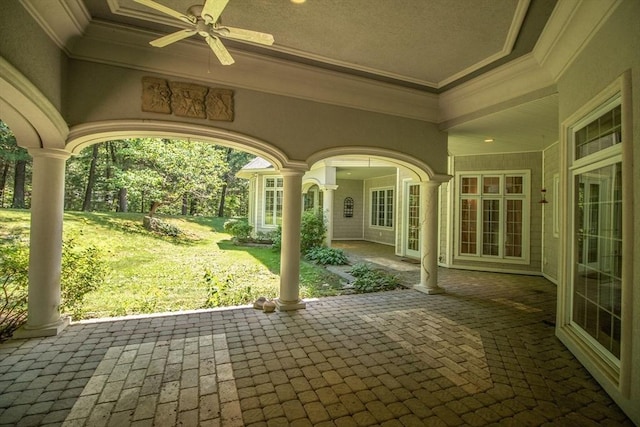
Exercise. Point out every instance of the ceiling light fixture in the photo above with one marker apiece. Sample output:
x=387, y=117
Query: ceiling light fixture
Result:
x=488, y=140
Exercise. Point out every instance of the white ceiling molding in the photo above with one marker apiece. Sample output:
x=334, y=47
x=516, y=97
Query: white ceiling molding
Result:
x=116, y=45
x=503, y=106
x=512, y=35
x=570, y=28
x=117, y=8
x=121, y=8
x=515, y=79
x=41, y=114
x=62, y=20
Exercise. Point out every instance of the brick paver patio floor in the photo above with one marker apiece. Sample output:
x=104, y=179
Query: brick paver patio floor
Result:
x=483, y=353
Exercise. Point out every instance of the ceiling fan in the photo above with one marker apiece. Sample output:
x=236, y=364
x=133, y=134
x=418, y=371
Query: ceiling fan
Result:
x=205, y=20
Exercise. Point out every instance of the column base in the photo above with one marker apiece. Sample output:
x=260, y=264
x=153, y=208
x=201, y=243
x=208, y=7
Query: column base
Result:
x=49, y=330
x=429, y=291
x=289, y=305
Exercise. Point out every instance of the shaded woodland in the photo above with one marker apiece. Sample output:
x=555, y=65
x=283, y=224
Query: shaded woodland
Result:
x=146, y=175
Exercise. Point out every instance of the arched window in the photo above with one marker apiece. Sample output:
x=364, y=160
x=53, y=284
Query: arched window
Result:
x=348, y=207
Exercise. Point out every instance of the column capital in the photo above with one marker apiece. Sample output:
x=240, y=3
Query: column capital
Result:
x=431, y=183
x=292, y=172
x=53, y=153
x=329, y=187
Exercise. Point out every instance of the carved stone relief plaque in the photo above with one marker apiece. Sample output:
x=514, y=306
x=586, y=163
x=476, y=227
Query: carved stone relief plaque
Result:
x=220, y=105
x=156, y=95
x=187, y=100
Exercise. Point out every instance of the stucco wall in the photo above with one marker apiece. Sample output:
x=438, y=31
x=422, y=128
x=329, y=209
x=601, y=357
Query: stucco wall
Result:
x=499, y=162
x=45, y=64
x=348, y=228
x=551, y=237
x=382, y=235
x=612, y=51
x=298, y=127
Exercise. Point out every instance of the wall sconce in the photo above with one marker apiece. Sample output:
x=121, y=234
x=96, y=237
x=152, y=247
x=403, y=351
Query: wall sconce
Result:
x=544, y=196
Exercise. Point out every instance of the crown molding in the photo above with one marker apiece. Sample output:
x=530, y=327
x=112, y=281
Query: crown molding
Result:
x=512, y=35
x=570, y=28
x=62, y=20
x=124, y=47
x=510, y=81
x=117, y=7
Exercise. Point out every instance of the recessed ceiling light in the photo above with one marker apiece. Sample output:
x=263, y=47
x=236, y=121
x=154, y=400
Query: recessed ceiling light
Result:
x=298, y=1
x=488, y=140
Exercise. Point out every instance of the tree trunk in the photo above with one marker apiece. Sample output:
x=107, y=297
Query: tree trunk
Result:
x=223, y=190
x=223, y=195
x=193, y=206
x=154, y=208
x=185, y=203
x=3, y=181
x=91, y=180
x=18, y=184
x=123, y=203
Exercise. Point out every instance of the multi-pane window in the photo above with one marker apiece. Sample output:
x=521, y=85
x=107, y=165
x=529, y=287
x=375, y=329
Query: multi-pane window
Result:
x=382, y=207
x=597, y=228
x=273, y=190
x=493, y=215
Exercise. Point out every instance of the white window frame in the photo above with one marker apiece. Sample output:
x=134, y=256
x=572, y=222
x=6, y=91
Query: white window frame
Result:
x=616, y=377
x=277, y=189
x=502, y=197
x=385, y=191
x=605, y=157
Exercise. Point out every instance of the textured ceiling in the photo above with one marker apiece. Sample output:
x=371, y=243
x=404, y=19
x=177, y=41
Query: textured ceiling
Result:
x=425, y=44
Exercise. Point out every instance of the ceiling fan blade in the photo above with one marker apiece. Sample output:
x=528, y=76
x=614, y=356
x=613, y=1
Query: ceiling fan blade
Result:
x=164, y=9
x=218, y=48
x=212, y=10
x=172, y=38
x=247, y=35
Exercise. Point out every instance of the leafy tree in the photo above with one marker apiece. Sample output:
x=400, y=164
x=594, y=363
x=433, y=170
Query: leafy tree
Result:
x=12, y=154
x=148, y=174
x=167, y=170
x=234, y=160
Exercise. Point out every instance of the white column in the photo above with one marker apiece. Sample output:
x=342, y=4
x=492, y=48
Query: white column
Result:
x=429, y=239
x=290, y=250
x=327, y=200
x=45, y=249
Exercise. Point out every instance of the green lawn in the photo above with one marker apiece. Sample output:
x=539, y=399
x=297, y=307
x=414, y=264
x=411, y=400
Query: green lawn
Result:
x=150, y=273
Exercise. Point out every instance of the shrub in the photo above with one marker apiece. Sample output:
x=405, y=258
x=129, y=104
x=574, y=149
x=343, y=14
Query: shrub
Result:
x=14, y=279
x=369, y=280
x=161, y=227
x=239, y=229
x=277, y=239
x=222, y=291
x=83, y=271
x=312, y=231
x=327, y=256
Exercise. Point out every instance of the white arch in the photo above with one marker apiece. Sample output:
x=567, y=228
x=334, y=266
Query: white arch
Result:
x=34, y=120
x=420, y=169
x=87, y=134
x=310, y=182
